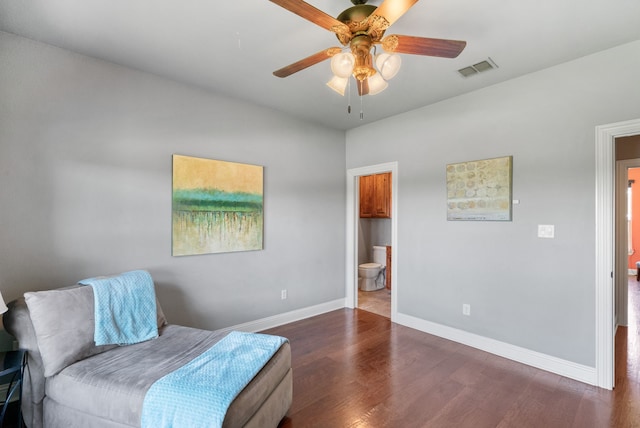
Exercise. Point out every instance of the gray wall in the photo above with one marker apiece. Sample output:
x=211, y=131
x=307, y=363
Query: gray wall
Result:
x=85, y=164
x=535, y=293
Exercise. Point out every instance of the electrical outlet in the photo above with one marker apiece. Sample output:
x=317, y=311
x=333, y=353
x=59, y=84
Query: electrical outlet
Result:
x=283, y=294
x=466, y=309
x=546, y=231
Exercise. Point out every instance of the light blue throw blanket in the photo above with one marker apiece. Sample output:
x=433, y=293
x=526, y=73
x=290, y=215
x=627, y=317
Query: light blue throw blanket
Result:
x=125, y=308
x=198, y=394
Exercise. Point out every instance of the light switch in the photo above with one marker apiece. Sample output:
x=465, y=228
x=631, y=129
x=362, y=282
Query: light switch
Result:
x=546, y=231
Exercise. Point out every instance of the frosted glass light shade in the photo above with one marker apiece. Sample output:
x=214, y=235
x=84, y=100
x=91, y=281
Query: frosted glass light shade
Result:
x=342, y=64
x=388, y=65
x=338, y=84
x=377, y=84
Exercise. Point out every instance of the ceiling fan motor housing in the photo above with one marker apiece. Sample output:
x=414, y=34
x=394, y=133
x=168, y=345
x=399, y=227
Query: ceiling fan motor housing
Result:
x=356, y=19
x=356, y=13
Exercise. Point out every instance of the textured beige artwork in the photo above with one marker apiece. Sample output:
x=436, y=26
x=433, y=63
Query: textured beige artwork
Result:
x=480, y=190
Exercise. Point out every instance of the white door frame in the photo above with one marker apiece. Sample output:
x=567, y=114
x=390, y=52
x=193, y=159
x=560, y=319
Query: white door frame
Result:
x=353, y=195
x=605, y=246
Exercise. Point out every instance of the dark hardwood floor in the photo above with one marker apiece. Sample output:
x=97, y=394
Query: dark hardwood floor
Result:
x=353, y=368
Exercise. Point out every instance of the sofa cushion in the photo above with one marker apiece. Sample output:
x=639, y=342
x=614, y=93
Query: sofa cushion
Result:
x=63, y=321
x=112, y=386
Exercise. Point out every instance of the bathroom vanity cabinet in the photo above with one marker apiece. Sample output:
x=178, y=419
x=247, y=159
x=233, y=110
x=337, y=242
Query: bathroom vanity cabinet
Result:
x=375, y=196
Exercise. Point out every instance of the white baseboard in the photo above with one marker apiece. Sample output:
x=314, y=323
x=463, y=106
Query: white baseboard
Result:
x=633, y=272
x=549, y=363
x=287, y=317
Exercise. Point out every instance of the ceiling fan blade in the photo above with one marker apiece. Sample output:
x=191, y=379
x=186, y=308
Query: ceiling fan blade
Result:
x=306, y=62
x=423, y=46
x=310, y=13
x=389, y=12
x=363, y=86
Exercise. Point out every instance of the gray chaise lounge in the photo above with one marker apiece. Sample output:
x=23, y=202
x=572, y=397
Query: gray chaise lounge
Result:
x=105, y=386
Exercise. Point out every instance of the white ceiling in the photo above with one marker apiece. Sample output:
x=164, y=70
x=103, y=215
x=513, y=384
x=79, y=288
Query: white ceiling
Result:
x=232, y=47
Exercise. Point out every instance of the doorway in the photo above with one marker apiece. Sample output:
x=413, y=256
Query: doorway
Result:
x=627, y=220
x=353, y=201
x=627, y=247
x=605, y=248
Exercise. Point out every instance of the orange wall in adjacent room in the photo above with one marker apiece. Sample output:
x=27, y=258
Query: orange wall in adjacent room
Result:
x=634, y=174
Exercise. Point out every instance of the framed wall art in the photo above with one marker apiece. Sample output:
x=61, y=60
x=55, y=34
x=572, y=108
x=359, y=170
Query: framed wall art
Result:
x=217, y=206
x=480, y=190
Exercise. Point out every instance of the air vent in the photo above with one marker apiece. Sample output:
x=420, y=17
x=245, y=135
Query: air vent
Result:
x=480, y=67
x=468, y=71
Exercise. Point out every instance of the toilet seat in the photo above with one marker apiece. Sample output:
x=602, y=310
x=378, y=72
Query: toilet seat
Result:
x=370, y=266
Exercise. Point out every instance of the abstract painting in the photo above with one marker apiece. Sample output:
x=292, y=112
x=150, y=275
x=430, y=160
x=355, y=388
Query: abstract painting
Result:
x=480, y=190
x=217, y=206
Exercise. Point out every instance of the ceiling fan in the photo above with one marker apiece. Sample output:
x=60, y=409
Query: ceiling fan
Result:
x=361, y=27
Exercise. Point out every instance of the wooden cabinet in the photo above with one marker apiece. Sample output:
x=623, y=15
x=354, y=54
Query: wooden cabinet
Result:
x=375, y=195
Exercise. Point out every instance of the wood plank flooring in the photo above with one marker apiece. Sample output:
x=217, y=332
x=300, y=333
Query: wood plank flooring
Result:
x=353, y=368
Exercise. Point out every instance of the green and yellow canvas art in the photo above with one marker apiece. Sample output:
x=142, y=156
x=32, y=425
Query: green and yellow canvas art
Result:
x=217, y=206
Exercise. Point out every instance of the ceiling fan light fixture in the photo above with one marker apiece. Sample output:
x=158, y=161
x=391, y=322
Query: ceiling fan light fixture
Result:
x=361, y=28
x=377, y=84
x=388, y=65
x=338, y=84
x=342, y=64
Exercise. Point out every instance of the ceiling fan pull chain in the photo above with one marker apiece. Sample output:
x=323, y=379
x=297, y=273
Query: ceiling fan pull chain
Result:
x=349, y=96
x=361, y=83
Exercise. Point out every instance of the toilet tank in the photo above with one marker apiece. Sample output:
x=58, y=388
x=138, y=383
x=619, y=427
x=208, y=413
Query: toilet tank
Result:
x=380, y=255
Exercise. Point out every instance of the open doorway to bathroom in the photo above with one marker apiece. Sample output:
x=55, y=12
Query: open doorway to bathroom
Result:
x=371, y=241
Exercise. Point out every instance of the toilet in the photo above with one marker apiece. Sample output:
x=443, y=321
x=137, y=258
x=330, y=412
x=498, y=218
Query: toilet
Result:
x=368, y=273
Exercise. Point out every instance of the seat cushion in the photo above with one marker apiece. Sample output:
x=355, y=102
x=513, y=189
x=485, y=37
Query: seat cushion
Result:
x=112, y=385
